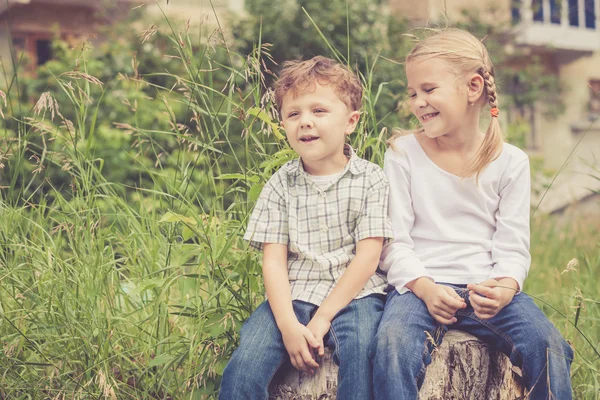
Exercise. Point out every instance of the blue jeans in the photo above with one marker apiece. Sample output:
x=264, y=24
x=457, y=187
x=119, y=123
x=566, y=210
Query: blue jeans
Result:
x=401, y=350
x=261, y=351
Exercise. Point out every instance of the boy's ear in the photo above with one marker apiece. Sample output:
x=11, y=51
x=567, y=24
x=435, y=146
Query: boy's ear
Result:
x=476, y=86
x=282, y=126
x=352, y=122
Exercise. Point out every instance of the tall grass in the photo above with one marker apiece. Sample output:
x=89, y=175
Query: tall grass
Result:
x=109, y=290
x=563, y=280
x=129, y=292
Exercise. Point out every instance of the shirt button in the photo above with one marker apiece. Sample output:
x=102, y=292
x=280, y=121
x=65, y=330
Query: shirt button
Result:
x=324, y=228
x=323, y=194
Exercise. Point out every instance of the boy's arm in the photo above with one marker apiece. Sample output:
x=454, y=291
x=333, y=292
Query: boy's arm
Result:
x=352, y=281
x=296, y=337
x=372, y=227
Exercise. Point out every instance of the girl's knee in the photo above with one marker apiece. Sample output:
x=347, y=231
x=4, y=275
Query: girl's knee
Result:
x=545, y=342
x=397, y=339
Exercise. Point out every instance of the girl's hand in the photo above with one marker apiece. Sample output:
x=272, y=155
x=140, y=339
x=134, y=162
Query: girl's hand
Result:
x=297, y=338
x=319, y=326
x=491, y=296
x=443, y=303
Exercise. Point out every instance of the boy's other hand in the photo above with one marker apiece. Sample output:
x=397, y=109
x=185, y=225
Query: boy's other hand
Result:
x=491, y=296
x=319, y=326
x=442, y=302
x=298, y=340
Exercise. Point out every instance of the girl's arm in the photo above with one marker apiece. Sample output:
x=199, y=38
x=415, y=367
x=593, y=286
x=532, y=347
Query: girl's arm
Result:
x=510, y=242
x=398, y=258
x=296, y=337
x=405, y=271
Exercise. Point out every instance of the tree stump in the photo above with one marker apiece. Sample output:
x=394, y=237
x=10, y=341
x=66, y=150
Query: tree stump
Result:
x=462, y=367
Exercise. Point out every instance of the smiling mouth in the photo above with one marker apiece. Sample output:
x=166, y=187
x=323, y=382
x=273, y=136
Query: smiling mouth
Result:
x=308, y=139
x=427, y=117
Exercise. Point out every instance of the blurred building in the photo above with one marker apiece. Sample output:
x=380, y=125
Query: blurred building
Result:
x=565, y=35
x=28, y=26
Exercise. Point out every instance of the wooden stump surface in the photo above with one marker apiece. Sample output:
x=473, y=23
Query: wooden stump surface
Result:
x=462, y=367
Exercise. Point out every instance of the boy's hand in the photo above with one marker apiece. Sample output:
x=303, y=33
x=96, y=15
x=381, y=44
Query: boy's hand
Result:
x=319, y=326
x=491, y=296
x=442, y=301
x=297, y=338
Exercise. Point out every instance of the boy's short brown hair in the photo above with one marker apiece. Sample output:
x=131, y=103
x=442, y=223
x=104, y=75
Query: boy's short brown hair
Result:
x=300, y=75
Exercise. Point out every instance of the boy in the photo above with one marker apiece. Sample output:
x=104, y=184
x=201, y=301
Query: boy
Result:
x=321, y=221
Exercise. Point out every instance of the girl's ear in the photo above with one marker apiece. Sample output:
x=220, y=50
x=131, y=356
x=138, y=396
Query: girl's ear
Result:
x=352, y=122
x=476, y=86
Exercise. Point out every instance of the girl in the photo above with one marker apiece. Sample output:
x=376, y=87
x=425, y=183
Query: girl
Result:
x=459, y=204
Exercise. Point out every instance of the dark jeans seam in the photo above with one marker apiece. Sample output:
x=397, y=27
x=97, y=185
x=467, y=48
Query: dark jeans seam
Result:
x=423, y=369
x=277, y=369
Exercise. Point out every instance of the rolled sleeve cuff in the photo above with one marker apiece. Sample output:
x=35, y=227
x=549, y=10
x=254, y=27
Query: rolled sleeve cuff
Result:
x=374, y=221
x=256, y=240
x=384, y=231
x=400, y=279
x=509, y=270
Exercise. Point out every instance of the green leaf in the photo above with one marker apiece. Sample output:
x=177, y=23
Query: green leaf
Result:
x=263, y=116
x=217, y=330
x=220, y=367
x=254, y=192
x=249, y=178
x=187, y=233
x=174, y=217
x=148, y=284
x=161, y=360
x=198, y=394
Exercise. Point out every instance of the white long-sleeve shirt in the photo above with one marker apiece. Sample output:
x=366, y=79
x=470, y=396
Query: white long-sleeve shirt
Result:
x=450, y=229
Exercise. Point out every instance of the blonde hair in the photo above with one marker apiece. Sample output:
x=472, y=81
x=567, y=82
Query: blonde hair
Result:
x=467, y=55
x=298, y=75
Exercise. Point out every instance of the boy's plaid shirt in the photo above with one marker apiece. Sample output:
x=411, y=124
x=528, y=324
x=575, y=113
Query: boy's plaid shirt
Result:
x=321, y=227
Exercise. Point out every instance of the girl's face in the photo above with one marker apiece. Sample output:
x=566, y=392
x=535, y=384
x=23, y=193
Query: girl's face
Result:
x=438, y=97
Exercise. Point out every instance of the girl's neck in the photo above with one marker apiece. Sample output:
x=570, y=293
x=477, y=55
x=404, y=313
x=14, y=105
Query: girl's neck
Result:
x=465, y=141
x=460, y=142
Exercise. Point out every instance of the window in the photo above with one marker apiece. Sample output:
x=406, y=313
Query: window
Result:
x=590, y=15
x=516, y=10
x=538, y=10
x=555, y=11
x=37, y=49
x=573, y=13
x=43, y=50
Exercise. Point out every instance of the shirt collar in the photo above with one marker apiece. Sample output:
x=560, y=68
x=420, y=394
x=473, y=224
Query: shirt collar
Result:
x=354, y=165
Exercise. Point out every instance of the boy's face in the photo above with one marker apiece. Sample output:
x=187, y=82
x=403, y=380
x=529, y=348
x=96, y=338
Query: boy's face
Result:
x=316, y=123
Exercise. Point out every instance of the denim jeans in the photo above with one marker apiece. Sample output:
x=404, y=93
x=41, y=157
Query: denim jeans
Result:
x=261, y=351
x=401, y=350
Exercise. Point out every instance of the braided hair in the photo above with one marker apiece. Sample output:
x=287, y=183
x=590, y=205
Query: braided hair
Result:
x=467, y=55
